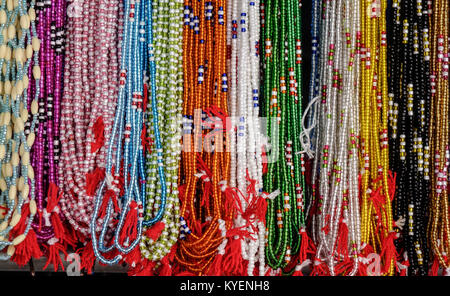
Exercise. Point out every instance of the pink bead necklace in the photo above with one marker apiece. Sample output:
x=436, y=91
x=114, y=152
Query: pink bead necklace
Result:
x=88, y=105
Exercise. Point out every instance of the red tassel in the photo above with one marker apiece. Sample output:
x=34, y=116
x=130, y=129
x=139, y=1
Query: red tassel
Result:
x=134, y=257
x=306, y=245
x=342, y=241
x=98, y=130
x=257, y=205
x=320, y=268
x=362, y=269
x=129, y=229
x=388, y=251
x=299, y=267
x=404, y=268
x=185, y=273
x=58, y=227
x=53, y=197
x=264, y=160
x=27, y=249
x=53, y=255
x=109, y=195
x=215, y=269
x=268, y=272
x=435, y=267
x=145, y=269
x=233, y=263
x=166, y=268
x=93, y=180
x=297, y=272
x=87, y=257
x=344, y=268
x=167, y=263
x=154, y=231
x=70, y=237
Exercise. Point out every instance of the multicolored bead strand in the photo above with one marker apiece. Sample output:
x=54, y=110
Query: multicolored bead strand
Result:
x=19, y=47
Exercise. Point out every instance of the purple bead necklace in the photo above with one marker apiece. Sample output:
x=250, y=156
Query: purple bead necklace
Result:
x=45, y=152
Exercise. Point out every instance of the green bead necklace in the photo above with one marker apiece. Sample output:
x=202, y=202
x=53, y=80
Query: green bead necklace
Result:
x=283, y=109
x=158, y=240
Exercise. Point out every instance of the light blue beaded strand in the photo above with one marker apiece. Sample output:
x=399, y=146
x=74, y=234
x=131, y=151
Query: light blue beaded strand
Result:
x=129, y=107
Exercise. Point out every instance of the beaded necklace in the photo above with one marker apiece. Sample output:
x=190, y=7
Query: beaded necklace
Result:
x=409, y=94
x=377, y=183
x=205, y=218
x=49, y=229
x=285, y=218
x=158, y=240
x=245, y=141
x=87, y=109
x=336, y=225
x=19, y=46
x=309, y=135
x=439, y=226
x=125, y=157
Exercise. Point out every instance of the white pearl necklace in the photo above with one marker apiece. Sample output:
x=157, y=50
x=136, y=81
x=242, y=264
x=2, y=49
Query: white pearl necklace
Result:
x=246, y=141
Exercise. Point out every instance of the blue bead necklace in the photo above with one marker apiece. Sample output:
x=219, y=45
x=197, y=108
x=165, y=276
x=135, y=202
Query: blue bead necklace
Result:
x=127, y=128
